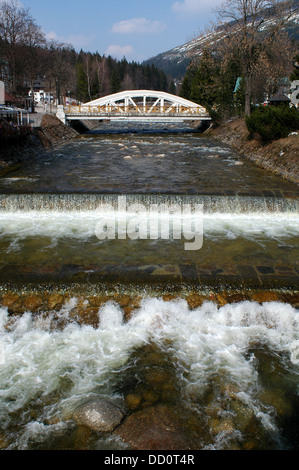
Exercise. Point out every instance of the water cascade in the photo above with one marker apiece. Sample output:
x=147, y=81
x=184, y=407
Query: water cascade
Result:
x=91, y=202
x=104, y=295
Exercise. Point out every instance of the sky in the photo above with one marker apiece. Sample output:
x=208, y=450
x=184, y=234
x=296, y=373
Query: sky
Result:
x=136, y=29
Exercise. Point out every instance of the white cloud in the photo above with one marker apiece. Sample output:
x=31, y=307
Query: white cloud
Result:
x=139, y=26
x=193, y=7
x=78, y=41
x=52, y=36
x=118, y=52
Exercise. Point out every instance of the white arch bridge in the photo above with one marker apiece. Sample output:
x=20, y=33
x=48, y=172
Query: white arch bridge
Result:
x=136, y=106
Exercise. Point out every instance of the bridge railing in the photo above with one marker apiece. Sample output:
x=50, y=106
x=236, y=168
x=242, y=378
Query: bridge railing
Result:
x=105, y=110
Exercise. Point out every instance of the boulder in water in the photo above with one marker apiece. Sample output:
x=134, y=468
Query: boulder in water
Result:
x=154, y=428
x=99, y=414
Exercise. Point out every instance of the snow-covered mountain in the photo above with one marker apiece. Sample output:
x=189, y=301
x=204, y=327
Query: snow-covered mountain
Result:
x=176, y=61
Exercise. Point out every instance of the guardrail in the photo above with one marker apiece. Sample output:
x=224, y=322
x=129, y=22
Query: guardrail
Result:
x=130, y=110
x=15, y=115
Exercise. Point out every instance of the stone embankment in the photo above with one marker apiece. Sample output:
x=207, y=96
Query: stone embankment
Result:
x=280, y=157
x=51, y=133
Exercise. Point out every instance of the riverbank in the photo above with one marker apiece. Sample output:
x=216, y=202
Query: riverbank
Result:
x=280, y=157
x=50, y=134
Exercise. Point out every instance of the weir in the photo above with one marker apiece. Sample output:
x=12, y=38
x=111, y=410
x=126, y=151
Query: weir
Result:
x=157, y=241
x=91, y=202
x=195, y=350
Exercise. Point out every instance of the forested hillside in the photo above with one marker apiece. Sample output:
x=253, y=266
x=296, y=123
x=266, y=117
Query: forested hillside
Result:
x=28, y=60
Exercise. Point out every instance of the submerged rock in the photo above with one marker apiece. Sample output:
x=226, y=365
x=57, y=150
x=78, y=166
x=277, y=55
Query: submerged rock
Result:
x=154, y=428
x=33, y=302
x=244, y=415
x=133, y=401
x=12, y=301
x=55, y=301
x=3, y=442
x=218, y=426
x=99, y=414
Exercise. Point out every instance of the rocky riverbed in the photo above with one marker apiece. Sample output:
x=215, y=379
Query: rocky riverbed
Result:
x=85, y=309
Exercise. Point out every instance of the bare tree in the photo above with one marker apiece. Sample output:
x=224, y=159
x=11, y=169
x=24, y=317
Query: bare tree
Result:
x=90, y=70
x=60, y=71
x=32, y=57
x=14, y=22
x=103, y=75
x=127, y=83
x=253, y=35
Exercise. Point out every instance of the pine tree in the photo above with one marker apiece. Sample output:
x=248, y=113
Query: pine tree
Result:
x=82, y=92
x=115, y=84
x=185, y=91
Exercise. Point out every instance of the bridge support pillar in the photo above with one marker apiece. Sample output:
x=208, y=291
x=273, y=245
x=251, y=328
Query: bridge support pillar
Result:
x=61, y=114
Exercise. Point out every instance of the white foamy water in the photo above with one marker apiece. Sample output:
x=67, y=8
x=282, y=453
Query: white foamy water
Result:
x=37, y=359
x=18, y=178
x=269, y=225
x=82, y=224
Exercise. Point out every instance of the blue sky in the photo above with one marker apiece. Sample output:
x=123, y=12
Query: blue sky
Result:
x=136, y=29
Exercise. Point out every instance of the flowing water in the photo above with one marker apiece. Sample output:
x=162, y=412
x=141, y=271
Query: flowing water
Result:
x=145, y=163
x=233, y=370
x=228, y=375
x=66, y=237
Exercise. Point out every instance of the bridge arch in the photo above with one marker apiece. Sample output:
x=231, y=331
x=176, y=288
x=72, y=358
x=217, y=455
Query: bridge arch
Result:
x=149, y=101
x=136, y=106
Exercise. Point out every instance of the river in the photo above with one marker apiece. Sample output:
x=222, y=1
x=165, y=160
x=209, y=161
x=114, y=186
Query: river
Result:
x=226, y=374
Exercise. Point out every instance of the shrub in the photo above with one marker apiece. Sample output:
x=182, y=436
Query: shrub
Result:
x=272, y=122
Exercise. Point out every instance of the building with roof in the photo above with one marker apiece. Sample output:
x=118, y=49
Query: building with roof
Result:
x=278, y=99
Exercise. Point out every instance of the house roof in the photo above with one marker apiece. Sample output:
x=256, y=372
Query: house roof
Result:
x=279, y=97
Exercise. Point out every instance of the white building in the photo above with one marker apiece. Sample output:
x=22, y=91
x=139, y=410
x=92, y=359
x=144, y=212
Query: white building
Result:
x=42, y=96
x=38, y=95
